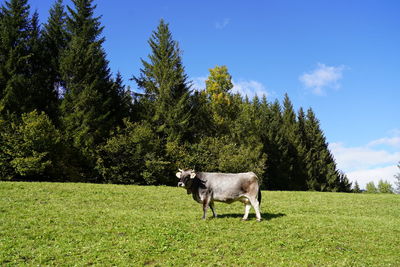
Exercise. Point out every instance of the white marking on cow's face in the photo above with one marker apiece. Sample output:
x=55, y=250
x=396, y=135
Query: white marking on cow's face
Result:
x=178, y=174
x=192, y=175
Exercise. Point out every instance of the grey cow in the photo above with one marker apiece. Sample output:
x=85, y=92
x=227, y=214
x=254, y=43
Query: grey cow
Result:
x=207, y=187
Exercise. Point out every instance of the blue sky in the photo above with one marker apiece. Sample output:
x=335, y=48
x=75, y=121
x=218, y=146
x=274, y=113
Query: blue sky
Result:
x=341, y=58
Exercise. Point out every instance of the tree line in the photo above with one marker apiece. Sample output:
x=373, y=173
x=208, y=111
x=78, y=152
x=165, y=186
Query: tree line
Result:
x=65, y=117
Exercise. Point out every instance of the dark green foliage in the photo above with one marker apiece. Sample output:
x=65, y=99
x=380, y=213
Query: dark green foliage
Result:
x=55, y=41
x=14, y=72
x=276, y=147
x=6, y=133
x=131, y=156
x=93, y=104
x=356, y=188
x=85, y=108
x=44, y=95
x=22, y=63
x=165, y=86
x=219, y=154
x=320, y=164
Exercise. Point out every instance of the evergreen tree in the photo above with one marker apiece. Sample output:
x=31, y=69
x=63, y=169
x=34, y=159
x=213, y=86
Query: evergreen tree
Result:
x=22, y=63
x=321, y=167
x=342, y=184
x=89, y=98
x=291, y=132
x=44, y=96
x=275, y=146
x=166, y=87
x=301, y=148
x=14, y=53
x=55, y=40
x=201, y=115
x=123, y=107
x=356, y=188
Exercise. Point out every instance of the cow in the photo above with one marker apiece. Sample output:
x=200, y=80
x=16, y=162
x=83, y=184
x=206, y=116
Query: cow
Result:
x=208, y=187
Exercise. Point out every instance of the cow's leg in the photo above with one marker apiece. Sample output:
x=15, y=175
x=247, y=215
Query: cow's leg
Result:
x=206, y=202
x=213, y=209
x=254, y=202
x=246, y=211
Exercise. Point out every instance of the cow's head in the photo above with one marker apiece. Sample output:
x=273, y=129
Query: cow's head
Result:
x=185, y=177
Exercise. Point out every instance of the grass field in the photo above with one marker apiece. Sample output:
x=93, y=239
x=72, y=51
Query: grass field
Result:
x=90, y=224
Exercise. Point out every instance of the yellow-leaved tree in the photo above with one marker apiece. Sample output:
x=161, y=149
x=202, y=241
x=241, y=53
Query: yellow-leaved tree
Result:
x=218, y=87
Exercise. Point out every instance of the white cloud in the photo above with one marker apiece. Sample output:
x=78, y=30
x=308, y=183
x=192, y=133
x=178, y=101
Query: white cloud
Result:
x=249, y=88
x=389, y=141
x=219, y=25
x=322, y=77
x=370, y=162
x=243, y=87
x=363, y=157
x=374, y=175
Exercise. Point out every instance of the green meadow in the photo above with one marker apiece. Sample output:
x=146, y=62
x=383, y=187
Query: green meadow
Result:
x=95, y=224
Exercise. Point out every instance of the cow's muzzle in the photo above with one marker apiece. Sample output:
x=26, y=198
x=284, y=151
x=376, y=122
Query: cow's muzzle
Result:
x=180, y=184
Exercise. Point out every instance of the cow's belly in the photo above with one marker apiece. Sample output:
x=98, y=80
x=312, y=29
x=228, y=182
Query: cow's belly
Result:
x=230, y=198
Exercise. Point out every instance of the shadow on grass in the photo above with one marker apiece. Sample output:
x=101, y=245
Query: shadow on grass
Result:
x=264, y=215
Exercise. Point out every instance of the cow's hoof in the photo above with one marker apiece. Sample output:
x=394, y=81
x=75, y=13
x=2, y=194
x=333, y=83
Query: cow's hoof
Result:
x=259, y=220
x=244, y=219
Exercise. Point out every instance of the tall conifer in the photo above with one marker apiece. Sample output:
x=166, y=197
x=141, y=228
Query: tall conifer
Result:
x=289, y=128
x=321, y=166
x=86, y=107
x=22, y=64
x=55, y=40
x=165, y=85
x=14, y=72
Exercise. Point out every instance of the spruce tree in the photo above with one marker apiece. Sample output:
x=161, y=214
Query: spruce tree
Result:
x=277, y=175
x=301, y=147
x=44, y=96
x=290, y=129
x=22, y=63
x=356, y=188
x=321, y=167
x=87, y=114
x=55, y=41
x=165, y=85
x=14, y=53
x=122, y=99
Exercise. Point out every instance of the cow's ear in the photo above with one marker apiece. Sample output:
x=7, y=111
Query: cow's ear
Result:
x=178, y=174
x=192, y=175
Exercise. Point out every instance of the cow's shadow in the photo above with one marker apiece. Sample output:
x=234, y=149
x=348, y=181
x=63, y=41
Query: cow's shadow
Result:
x=264, y=215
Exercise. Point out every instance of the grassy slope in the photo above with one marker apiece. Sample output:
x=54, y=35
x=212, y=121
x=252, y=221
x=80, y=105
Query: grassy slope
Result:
x=83, y=224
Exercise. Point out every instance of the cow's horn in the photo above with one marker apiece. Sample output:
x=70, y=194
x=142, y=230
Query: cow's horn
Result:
x=180, y=170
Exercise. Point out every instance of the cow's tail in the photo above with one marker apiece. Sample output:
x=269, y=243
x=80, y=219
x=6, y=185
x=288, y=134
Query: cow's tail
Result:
x=259, y=196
